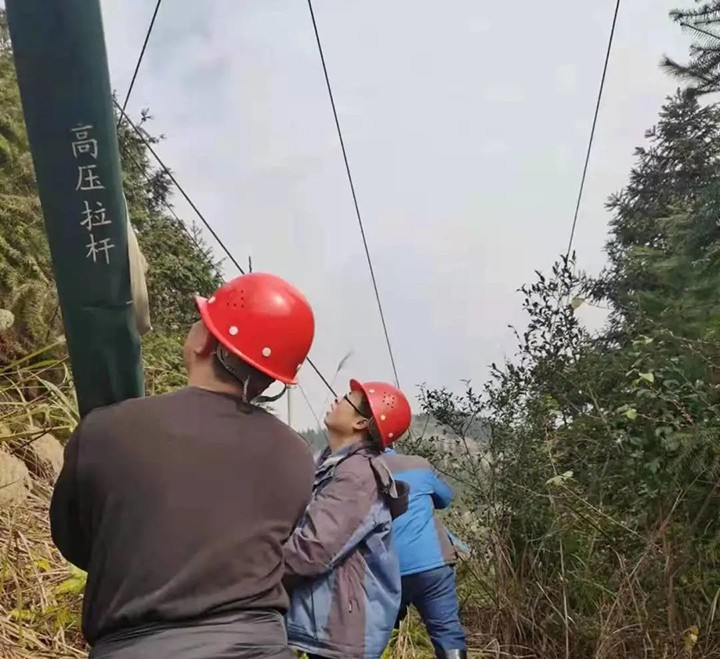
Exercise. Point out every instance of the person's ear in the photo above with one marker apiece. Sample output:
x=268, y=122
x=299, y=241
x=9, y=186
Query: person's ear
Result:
x=202, y=342
x=361, y=424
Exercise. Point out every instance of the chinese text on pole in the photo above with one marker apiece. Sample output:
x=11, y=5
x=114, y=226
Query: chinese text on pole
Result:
x=93, y=213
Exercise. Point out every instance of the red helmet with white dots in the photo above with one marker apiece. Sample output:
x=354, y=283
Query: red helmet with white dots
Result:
x=389, y=408
x=263, y=320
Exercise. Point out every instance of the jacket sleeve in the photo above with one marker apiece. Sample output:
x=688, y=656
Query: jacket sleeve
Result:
x=68, y=531
x=335, y=522
x=442, y=495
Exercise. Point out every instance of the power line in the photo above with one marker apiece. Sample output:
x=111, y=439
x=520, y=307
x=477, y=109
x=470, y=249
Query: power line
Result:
x=126, y=152
x=146, y=142
x=312, y=410
x=140, y=57
x=142, y=171
x=169, y=174
x=352, y=190
x=592, y=130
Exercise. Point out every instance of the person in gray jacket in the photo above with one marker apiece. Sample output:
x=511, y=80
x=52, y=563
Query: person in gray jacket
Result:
x=340, y=566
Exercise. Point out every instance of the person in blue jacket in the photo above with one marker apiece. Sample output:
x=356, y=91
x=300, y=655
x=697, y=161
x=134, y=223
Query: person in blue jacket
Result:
x=427, y=553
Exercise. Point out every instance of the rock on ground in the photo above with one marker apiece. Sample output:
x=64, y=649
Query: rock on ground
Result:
x=15, y=480
x=42, y=456
x=6, y=319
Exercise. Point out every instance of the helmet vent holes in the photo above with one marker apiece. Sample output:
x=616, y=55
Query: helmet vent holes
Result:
x=237, y=299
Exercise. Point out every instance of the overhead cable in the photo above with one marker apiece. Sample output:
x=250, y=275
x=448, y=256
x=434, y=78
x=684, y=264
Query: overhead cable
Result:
x=354, y=195
x=592, y=130
x=144, y=139
x=141, y=56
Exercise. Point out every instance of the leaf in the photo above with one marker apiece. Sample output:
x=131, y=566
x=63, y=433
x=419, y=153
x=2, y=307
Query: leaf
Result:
x=648, y=377
x=43, y=565
x=691, y=637
x=560, y=479
x=631, y=413
x=74, y=585
x=21, y=614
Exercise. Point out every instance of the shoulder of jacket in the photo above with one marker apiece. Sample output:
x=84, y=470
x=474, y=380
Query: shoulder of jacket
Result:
x=101, y=414
x=358, y=466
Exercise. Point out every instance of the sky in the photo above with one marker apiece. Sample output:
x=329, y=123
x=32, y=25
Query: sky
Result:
x=466, y=125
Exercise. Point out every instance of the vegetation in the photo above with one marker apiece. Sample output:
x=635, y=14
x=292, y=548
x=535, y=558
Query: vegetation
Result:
x=40, y=593
x=588, y=466
x=702, y=71
x=595, y=506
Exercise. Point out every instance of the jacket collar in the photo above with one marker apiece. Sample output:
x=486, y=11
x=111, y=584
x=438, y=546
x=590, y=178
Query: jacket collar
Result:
x=327, y=459
x=395, y=492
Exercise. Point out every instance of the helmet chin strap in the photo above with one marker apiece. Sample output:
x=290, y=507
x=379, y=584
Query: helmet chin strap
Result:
x=270, y=399
x=223, y=357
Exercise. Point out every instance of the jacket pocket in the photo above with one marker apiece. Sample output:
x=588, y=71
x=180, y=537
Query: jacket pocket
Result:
x=346, y=622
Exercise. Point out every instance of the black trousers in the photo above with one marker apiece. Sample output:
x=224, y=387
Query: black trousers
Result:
x=242, y=635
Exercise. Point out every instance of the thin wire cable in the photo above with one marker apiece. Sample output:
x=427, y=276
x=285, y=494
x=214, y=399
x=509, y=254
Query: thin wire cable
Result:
x=354, y=195
x=592, y=130
x=307, y=400
x=140, y=58
x=126, y=152
x=169, y=174
x=146, y=142
x=171, y=210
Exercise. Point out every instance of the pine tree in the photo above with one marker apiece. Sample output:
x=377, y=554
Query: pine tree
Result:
x=702, y=71
x=671, y=185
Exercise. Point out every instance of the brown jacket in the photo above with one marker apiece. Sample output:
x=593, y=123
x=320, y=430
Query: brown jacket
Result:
x=178, y=507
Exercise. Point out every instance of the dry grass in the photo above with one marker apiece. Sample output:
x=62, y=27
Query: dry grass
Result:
x=39, y=592
x=412, y=642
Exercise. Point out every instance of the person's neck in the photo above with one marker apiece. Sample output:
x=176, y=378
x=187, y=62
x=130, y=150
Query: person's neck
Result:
x=338, y=441
x=208, y=382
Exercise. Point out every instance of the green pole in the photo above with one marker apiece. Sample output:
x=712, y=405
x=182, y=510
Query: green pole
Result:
x=62, y=70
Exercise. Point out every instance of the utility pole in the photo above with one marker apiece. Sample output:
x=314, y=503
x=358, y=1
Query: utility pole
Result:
x=62, y=71
x=289, y=405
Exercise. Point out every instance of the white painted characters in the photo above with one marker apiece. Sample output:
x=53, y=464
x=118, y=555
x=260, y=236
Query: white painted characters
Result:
x=88, y=179
x=94, y=215
x=98, y=247
x=83, y=143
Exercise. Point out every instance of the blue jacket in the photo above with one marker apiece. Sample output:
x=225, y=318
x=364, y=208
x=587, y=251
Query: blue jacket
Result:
x=340, y=567
x=421, y=541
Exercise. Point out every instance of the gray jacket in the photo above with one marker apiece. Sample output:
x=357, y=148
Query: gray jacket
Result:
x=340, y=563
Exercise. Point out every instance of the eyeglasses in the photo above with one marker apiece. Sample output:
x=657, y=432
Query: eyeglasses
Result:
x=346, y=398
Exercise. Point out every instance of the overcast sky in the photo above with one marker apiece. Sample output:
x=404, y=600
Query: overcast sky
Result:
x=466, y=124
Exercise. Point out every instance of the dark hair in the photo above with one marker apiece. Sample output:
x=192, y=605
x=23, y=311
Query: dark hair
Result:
x=364, y=407
x=232, y=370
x=372, y=437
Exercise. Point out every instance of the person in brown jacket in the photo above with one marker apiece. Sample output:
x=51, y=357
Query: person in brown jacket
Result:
x=178, y=506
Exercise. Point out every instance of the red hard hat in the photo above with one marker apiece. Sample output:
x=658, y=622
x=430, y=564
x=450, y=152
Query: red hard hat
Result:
x=389, y=407
x=263, y=320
